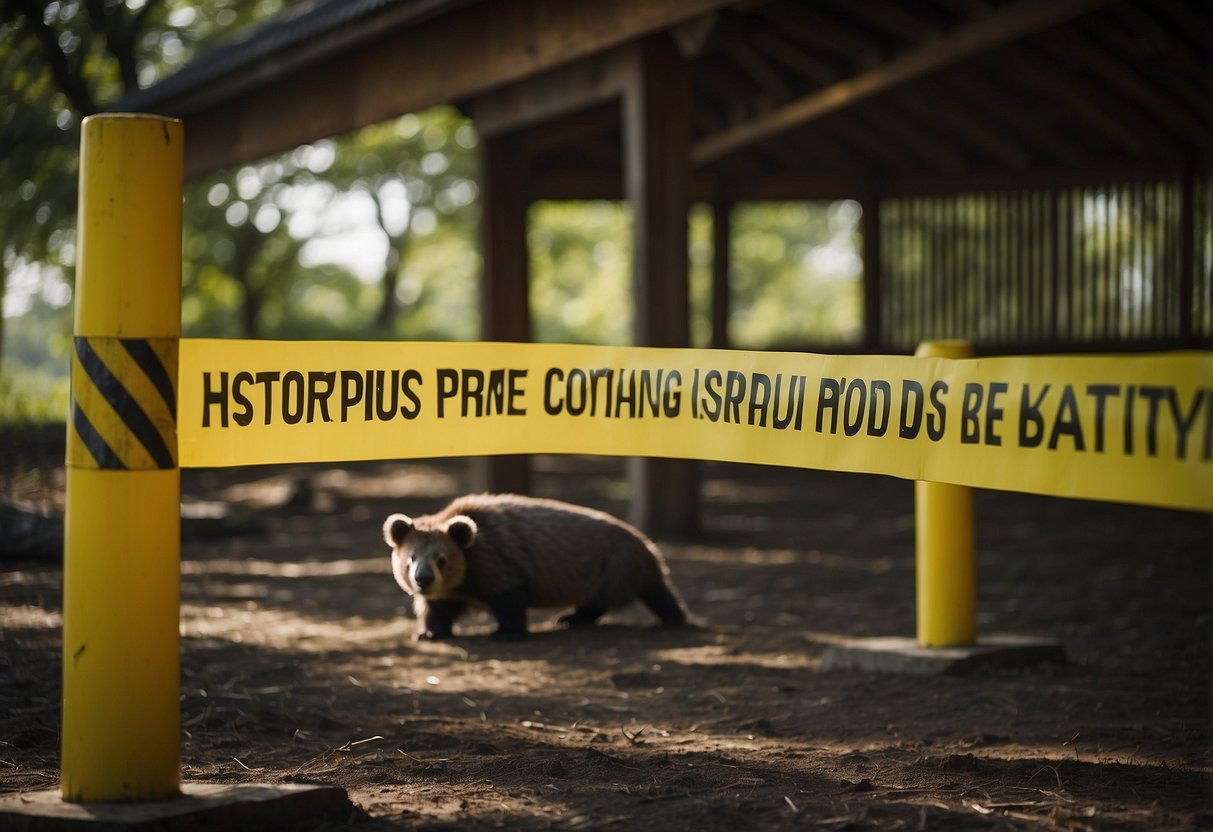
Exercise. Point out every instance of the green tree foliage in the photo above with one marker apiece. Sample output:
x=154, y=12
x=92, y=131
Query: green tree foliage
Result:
x=796, y=275
x=794, y=271
x=241, y=270
x=265, y=243
x=580, y=266
x=419, y=174
x=61, y=61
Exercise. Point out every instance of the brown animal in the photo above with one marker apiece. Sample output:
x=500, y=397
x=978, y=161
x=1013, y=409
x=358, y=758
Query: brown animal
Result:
x=507, y=553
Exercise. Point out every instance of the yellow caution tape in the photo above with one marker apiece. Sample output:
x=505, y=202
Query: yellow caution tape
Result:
x=1131, y=428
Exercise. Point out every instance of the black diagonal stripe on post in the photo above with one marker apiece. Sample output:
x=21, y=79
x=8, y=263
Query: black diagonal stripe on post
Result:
x=147, y=359
x=124, y=405
x=93, y=441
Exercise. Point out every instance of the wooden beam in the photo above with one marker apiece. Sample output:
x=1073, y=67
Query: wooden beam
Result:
x=720, y=82
x=1115, y=171
x=545, y=97
x=897, y=19
x=782, y=185
x=808, y=24
x=562, y=184
x=656, y=179
x=504, y=285
x=1192, y=19
x=573, y=129
x=969, y=8
x=447, y=59
x=822, y=148
x=918, y=128
x=772, y=43
x=1129, y=83
x=1140, y=25
x=657, y=135
x=859, y=134
x=694, y=36
x=779, y=187
x=983, y=135
x=756, y=66
x=504, y=199
x=568, y=184
x=1009, y=23
x=987, y=102
x=1085, y=102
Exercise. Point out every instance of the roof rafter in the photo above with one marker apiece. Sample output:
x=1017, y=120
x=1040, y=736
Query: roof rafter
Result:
x=779, y=49
x=1011, y=118
x=1152, y=99
x=897, y=18
x=757, y=67
x=1009, y=23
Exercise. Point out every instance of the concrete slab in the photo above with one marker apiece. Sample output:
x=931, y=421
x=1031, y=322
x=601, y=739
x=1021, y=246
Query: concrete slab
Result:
x=209, y=806
x=903, y=655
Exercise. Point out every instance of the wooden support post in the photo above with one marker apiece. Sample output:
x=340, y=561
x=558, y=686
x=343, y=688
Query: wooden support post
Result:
x=504, y=297
x=873, y=324
x=657, y=139
x=722, y=232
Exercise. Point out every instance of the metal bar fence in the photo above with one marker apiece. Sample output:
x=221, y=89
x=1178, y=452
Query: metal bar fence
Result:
x=1127, y=266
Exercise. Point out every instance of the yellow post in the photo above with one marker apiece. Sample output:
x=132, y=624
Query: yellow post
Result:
x=121, y=581
x=946, y=582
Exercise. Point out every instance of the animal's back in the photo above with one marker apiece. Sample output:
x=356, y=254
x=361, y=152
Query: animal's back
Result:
x=565, y=554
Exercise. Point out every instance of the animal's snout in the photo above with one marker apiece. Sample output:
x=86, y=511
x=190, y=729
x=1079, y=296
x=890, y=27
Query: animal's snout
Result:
x=424, y=577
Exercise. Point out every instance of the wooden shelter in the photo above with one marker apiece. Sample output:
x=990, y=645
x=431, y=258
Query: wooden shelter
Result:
x=1034, y=174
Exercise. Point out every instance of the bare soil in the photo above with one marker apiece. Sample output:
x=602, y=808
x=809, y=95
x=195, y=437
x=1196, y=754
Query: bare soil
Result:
x=299, y=664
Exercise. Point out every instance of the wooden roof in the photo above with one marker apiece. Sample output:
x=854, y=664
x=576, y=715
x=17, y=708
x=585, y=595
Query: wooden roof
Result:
x=791, y=98
x=835, y=98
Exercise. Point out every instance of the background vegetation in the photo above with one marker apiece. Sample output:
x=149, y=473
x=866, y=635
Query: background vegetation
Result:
x=369, y=235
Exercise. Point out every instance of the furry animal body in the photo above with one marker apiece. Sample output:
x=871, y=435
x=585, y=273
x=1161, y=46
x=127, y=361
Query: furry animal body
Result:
x=509, y=553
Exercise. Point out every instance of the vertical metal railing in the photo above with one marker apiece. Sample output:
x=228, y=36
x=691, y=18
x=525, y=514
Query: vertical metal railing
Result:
x=1051, y=268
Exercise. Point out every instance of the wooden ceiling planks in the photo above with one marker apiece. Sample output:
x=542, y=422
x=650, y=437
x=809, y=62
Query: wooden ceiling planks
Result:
x=1008, y=24
x=962, y=87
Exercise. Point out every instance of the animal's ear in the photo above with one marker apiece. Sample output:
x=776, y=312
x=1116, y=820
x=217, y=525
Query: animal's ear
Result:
x=395, y=528
x=462, y=530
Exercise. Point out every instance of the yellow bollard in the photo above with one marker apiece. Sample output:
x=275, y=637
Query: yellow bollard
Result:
x=121, y=576
x=943, y=530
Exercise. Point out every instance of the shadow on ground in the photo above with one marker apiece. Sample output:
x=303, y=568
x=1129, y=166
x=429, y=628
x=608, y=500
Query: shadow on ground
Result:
x=299, y=665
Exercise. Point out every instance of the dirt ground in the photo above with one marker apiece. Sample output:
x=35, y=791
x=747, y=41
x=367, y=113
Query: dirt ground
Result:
x=299, y=664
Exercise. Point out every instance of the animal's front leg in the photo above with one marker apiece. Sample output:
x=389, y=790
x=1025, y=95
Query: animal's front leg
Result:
x=509, y=608
x=583, y=616
x=437, y=618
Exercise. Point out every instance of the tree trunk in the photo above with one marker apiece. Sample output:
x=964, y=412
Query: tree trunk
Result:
x=3, y=283
x=248, y=241
x=251, y=310
x=389, y=306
